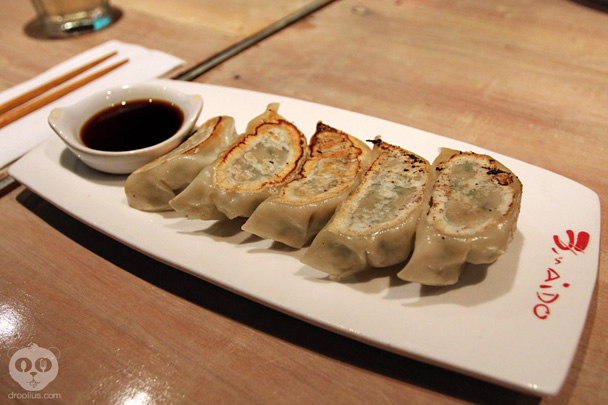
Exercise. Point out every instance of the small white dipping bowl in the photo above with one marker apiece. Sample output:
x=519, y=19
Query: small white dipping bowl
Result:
x=67, y=122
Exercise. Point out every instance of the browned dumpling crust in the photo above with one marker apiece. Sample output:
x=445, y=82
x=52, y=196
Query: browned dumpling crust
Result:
x=471, y=217
x=268, y=155
x=294, y=216
x=374, y=227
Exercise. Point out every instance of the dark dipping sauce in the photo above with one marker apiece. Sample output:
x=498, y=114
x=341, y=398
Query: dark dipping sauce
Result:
x=133, y=124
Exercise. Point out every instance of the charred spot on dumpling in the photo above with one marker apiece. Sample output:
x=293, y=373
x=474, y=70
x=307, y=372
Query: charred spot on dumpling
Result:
x=503, y=178
x=376, y=142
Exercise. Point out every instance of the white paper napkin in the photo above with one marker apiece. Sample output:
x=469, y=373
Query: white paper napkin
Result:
x=144, y=64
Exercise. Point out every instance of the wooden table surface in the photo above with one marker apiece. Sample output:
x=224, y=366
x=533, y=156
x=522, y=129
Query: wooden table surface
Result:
x=189, y=29
x=524, y=78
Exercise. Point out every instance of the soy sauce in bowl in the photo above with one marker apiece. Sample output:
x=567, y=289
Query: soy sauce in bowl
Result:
x=128, y=125
x=132, y=125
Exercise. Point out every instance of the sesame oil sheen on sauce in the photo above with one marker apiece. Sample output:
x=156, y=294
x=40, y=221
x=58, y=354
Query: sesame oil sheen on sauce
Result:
x=131, y=125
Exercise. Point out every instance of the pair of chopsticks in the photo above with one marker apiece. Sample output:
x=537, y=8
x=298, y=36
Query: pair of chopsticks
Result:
x=17, y=108
x=28, y=102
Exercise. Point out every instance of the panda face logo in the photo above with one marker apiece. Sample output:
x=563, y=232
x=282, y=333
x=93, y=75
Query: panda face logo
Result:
x=33, y=367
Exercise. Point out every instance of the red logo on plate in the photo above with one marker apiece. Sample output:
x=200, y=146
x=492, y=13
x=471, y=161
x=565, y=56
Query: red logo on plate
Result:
x=549, y=290
x=574, y=245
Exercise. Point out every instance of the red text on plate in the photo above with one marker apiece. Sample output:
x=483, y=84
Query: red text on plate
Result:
x=549, y=290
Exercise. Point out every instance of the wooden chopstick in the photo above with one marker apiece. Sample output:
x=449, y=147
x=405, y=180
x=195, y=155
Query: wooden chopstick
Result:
x=44, y=100
x=35, y=92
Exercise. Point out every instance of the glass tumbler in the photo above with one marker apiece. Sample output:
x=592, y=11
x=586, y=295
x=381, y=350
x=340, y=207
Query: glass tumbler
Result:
x=61, y=18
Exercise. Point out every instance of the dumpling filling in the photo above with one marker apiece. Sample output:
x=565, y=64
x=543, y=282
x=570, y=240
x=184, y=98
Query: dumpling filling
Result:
x=294, y=216
x=471, y=218
x=257, y=165
x=374, y=227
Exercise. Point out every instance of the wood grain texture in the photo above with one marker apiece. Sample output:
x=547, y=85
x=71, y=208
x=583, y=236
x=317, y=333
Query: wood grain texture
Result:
x=190, y=29
x=521, y=78
x=131, y=328
x=525, y=78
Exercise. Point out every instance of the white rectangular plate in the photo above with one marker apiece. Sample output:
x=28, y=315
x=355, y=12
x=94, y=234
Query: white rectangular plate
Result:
x=516, y=322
